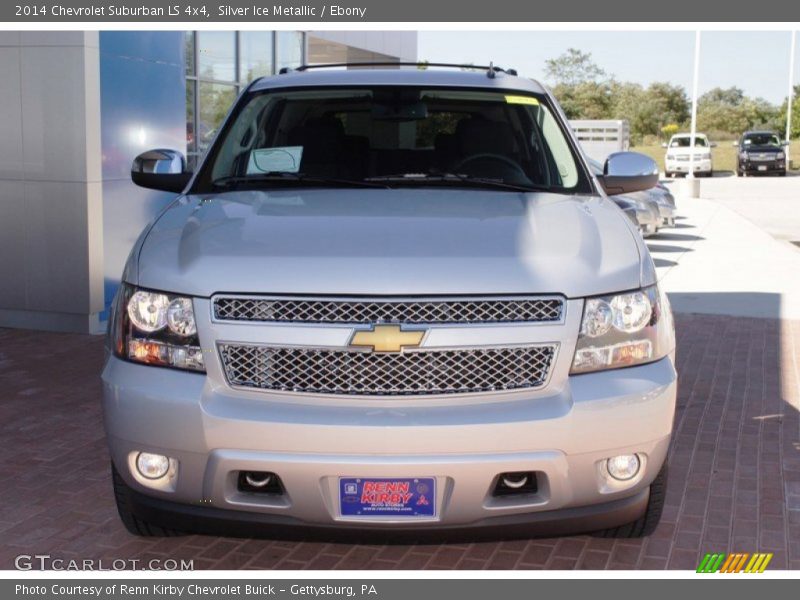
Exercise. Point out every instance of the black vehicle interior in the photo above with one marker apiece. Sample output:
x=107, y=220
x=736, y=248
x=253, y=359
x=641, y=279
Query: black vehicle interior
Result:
x=761, y=139
x=400, y=132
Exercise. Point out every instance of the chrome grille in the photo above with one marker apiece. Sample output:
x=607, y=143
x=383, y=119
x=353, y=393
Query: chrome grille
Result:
x=762, y=156
x=353, y=311
x=350, y=372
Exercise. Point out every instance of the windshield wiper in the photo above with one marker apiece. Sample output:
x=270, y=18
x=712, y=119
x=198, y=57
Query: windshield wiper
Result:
x=283, y=176
x=455, y=177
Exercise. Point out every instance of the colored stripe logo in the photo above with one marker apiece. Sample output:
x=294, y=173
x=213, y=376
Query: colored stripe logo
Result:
x=739, y=562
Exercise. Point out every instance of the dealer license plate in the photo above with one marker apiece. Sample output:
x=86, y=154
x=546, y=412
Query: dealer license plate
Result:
x=387, y=497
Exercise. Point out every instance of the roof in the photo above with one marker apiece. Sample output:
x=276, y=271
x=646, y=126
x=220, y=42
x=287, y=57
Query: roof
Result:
x=759, y=132
x=411, y=77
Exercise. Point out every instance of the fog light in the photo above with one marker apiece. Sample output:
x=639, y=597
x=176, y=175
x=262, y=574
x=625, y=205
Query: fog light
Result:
x=152, y=466
x=259, y=482
x=623, y=467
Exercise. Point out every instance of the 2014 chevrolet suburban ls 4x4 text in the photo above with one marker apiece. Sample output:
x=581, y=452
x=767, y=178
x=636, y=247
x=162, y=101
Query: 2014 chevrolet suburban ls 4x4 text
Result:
x=391, y=302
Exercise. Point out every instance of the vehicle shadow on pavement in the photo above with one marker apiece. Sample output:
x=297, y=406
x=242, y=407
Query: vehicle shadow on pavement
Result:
x=734, y=479
x=665, y=247
x=675, y=237
x=663, y=262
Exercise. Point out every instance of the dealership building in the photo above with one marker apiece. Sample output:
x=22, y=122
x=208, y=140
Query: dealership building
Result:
x=79, y=106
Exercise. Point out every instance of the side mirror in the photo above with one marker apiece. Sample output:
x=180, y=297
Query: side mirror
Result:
x=160, y=169
x=664, y=144
x=713, y=144
x=626, y=172
x=786, y=143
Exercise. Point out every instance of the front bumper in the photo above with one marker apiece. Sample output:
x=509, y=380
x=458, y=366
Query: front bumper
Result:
x=667, y=214
x=648, y=219
x=213, y=432
x=763, y=166
x=215, y=521
x=684, y=166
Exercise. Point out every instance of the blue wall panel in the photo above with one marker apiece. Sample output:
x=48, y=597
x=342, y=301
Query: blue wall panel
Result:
x=143, y=106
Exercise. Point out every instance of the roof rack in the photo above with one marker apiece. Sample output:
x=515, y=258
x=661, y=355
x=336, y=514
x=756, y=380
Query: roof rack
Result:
x=491, y=69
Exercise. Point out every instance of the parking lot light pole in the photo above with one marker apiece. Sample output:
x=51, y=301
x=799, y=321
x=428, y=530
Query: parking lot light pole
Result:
x=692, y=186
x=790, y=100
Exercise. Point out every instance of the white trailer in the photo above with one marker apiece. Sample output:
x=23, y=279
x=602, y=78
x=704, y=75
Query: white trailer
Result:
x=599, y=138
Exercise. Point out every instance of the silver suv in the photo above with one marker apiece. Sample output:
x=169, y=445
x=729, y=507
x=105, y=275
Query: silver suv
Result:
x=391, y=301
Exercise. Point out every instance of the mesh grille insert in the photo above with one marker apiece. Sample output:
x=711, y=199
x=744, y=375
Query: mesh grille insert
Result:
x=325, y=371
x=299, y=310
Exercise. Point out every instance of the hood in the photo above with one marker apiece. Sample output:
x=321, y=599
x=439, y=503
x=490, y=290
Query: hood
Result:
x=389, y=242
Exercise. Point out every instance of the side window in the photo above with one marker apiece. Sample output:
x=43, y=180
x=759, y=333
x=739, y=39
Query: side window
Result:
x=240, y=139
x=559, y=148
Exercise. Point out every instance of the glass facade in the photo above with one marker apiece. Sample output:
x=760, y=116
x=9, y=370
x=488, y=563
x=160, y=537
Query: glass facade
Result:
x=219, y=64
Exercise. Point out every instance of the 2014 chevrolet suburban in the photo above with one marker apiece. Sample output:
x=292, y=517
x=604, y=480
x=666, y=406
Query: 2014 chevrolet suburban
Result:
x=391, y=302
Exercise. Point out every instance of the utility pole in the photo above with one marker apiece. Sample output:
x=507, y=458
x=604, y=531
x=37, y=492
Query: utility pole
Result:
x=693, y=186
x=790, y=100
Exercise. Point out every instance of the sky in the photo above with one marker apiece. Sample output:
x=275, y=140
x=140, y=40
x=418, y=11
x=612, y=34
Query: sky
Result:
x=755, y=61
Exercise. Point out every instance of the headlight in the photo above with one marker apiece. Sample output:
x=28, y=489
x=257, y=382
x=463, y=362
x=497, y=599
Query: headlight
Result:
x=622, y=330
x=670, y=157
x=706, y=156
x=743, y=156
x=148, y=311
x=631, y=311
x=780, y=156
x=155, y=328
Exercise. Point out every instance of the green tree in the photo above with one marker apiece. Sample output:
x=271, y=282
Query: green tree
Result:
x=648, y=109
x=670, y=129
x=588, y=100
x=731, y=96
x=673, y=103
x=731, y=111
x=573, y=68
x=781, y=119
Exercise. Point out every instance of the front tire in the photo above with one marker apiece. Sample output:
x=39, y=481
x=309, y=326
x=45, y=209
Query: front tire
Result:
x=647, y=523
x=132, y=523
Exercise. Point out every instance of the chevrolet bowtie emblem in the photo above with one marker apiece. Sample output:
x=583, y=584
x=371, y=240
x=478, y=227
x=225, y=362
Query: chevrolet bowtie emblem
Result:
x=386, y=338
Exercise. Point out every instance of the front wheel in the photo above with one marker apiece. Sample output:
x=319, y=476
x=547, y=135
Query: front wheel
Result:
x=647, y=523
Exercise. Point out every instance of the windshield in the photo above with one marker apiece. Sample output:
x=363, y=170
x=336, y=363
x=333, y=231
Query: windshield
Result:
x=685, y=142
x=390, y=136
x=761, y=139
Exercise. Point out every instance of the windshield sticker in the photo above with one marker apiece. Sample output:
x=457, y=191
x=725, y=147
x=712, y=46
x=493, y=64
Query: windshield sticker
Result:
x=522, y=100
x=284, y=159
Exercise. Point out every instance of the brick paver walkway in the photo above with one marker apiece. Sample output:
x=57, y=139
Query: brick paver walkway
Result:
x=734, y=468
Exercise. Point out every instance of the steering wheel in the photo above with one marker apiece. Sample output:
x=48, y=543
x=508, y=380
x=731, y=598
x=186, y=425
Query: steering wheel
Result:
x=493, y=157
